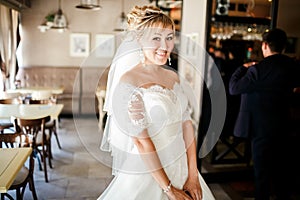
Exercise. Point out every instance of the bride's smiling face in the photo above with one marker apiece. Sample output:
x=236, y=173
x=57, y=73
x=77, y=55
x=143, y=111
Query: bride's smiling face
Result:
x=157, y=43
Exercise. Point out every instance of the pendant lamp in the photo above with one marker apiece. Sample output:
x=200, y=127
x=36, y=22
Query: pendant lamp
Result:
x=121, y=22
x=55, y=21
x=89, y=5
x=60, y=21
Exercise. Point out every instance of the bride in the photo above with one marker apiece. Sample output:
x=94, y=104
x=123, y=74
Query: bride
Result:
x=149, y=129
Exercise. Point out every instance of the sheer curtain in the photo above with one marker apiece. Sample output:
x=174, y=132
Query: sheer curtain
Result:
x=8, y=46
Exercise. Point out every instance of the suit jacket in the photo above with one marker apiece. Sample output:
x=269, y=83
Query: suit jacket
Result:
x=266, y=89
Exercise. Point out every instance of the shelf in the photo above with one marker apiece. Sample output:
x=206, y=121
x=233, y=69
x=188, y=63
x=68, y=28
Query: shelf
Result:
x=241, y=20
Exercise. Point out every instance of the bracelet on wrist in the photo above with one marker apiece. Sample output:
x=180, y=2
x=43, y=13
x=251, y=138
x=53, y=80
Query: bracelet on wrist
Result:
x=168, y=188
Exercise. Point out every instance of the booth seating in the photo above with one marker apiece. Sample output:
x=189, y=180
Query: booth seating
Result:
x=79, y=83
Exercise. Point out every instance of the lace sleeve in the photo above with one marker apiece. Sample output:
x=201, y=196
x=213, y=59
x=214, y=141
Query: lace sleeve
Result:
x=136, y=110
x=129, y=110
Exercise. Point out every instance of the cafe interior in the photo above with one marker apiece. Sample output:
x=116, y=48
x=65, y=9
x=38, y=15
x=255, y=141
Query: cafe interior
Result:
x=55, y=58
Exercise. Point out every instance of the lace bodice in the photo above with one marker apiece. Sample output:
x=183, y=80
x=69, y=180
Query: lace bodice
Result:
x=160, y=110
x=152, y=107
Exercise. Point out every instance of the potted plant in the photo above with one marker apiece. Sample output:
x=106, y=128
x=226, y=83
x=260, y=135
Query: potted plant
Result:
x=50, y=19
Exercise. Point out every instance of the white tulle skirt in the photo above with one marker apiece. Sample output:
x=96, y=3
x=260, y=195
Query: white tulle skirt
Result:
x=143, y=186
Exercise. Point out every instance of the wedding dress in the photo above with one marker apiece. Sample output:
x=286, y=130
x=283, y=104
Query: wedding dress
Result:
x=164, y=112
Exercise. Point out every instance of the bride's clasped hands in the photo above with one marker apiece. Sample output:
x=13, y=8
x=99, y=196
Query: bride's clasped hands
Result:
x=191, y=190
x=177, y=194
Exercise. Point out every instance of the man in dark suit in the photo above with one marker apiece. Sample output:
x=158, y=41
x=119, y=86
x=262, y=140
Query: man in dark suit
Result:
x=266, y=89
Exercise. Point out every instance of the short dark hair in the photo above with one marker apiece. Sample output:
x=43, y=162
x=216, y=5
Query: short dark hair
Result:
x=276, y=39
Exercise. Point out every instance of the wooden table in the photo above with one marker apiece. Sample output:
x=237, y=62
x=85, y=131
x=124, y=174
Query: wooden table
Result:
x=30, y=111
x=37, y=92
x=11, y=161
x=29, y=90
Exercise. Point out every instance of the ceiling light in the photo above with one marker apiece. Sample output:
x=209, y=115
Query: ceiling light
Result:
x=169, y=4
x=89, y=5
x=121, y=22
x=60, y=21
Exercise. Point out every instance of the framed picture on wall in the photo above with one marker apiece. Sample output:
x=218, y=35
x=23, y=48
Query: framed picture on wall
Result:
x=79, y=44
x=105, y=45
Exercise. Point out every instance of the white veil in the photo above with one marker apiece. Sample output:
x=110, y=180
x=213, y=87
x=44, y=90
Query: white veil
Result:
x=126, y=57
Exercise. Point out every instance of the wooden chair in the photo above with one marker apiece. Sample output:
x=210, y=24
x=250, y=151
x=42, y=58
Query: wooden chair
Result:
x=100, y=93
x=25, y=175
x=102, y=114
x=10, y=101
x=7, y=125
x=42, y=146
x=50, y=125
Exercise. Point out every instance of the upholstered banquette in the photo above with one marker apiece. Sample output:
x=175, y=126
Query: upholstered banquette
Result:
x=79, y=83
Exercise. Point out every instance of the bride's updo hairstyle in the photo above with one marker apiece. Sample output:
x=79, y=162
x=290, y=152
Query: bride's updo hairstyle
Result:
x=147, y=16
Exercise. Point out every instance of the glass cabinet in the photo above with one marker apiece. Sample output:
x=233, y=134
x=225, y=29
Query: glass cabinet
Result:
x=236, y=26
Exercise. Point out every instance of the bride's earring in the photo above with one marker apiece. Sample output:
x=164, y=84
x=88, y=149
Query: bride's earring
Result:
x=142, y=57
x=169, y=61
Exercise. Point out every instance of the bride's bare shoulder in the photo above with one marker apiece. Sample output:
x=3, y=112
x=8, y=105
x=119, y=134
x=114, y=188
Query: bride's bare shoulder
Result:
x=130, y=76
x=172, y=74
